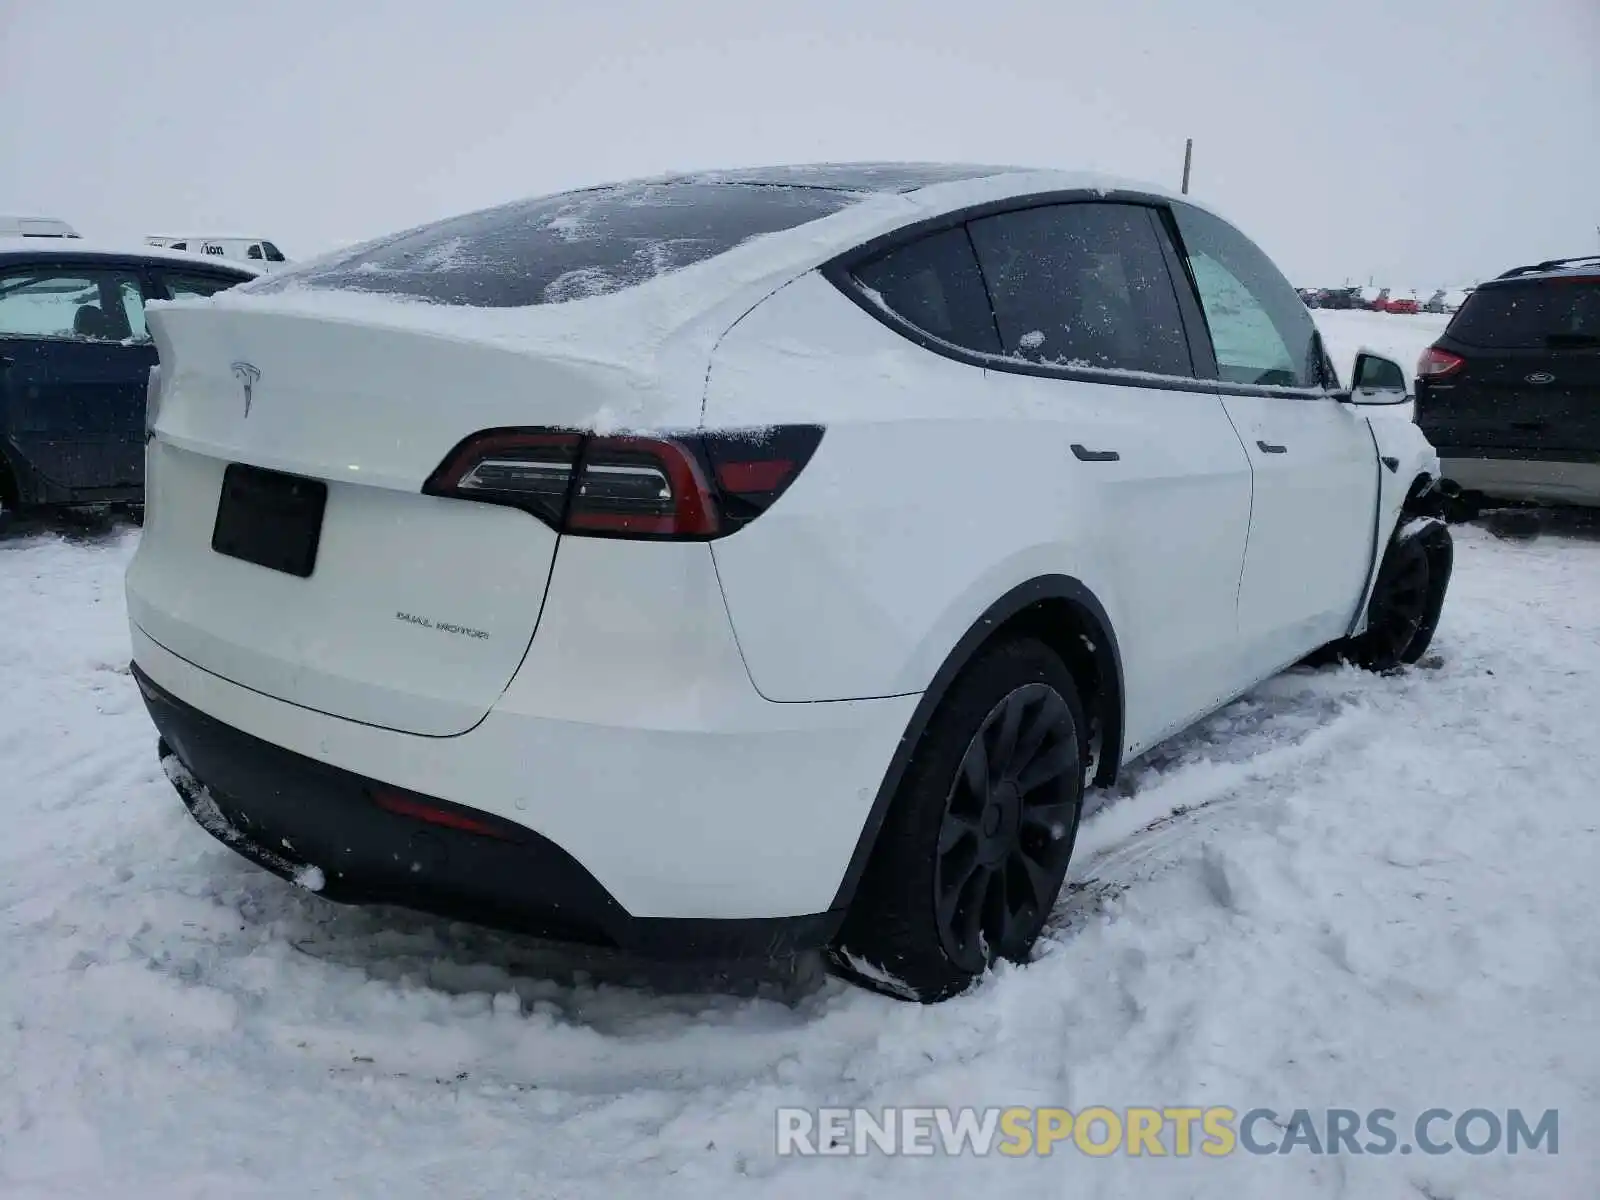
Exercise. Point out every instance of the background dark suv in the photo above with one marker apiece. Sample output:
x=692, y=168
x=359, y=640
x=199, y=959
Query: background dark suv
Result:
x=1510, y=394
x=75, y=359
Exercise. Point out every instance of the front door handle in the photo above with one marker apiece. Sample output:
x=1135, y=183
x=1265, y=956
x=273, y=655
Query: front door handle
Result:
x=1084, y=454
x=1269, y=448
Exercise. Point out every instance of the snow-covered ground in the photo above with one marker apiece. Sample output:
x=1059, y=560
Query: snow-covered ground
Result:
x=1343, y=891
x=1400, y=336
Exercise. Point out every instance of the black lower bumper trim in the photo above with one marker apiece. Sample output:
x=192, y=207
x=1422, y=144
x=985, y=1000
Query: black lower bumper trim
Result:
x=289, y=814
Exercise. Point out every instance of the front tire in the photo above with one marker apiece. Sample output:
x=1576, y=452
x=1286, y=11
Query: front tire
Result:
x=975, y=846
x=1407, y=597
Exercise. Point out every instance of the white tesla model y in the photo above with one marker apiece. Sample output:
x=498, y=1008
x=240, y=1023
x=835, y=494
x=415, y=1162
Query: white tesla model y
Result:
x=734, y=563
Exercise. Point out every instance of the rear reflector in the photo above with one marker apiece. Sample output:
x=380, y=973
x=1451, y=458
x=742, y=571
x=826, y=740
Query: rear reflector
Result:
x=1436, y=362
x=434, y=813
x=695, y=487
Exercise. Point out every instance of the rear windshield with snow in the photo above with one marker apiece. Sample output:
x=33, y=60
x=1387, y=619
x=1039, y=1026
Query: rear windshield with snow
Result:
x=564, y=247
x=1538, y=314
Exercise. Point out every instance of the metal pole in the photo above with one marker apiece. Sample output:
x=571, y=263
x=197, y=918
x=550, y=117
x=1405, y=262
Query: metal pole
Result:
x=1188, y=153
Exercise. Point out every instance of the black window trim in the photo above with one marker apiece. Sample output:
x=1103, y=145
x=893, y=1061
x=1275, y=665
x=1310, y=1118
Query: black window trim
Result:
x=839, y=272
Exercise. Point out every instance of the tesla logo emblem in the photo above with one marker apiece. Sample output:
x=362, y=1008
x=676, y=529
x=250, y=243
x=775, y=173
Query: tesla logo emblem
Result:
x=1541, y=377
x=247, y=374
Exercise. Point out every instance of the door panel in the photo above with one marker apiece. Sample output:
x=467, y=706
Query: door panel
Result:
x=1316, y=494
x=80, y=357
x=1169, y=518
x=1158, y=482
x=76, y=410
x=1313, y=460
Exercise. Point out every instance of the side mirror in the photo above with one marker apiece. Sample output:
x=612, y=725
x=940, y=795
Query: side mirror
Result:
x=1377, y=380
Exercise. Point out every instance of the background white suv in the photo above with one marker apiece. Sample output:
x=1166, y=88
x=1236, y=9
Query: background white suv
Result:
x=727, y=564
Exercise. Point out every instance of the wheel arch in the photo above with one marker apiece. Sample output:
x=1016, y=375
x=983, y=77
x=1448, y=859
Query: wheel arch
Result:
x=1066, y=616
x=1426, y=497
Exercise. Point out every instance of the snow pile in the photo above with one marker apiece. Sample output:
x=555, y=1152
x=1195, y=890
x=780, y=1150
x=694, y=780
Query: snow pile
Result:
x=1343, y=890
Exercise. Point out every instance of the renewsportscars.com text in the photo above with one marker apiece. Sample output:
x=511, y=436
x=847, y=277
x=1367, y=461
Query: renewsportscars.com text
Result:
x=1179, y=1131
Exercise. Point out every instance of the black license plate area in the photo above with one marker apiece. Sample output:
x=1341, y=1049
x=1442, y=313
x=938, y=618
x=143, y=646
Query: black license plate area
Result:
x=270, y=519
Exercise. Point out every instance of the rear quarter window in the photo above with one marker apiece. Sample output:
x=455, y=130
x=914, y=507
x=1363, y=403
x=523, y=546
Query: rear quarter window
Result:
x=564, y=247
x=934, y=285
x=1535, y=315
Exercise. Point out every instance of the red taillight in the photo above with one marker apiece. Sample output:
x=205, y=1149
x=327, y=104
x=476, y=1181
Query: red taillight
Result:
x=526, y=468
x=1436, y=362
x=642, y=487
x=697, y=486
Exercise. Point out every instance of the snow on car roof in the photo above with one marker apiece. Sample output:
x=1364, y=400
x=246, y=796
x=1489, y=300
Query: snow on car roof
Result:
x=77, y=247
x=850, y=177
x=635, y=324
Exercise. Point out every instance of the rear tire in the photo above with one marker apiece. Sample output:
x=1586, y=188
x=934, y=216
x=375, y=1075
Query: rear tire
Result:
x=976, y=842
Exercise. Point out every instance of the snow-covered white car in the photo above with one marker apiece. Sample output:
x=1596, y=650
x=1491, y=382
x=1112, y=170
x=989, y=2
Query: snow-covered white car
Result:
x=727, y=564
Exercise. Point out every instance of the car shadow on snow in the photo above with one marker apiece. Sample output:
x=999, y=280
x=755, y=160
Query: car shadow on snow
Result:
x=78, y=526
x=1531, y=523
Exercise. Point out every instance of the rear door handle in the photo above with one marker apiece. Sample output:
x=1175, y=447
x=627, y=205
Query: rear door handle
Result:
x=1269, y=448
x=1084, y=454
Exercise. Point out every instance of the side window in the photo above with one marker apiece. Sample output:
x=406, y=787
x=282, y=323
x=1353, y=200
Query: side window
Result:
x=1083, y=285
x=934, y=284
x=71, y=304
x=1260, y=330
x=254, y=251
x=194, y=285
x=273, y=253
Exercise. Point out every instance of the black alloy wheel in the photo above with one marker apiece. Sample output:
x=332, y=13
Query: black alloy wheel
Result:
x=1399, y=602
x=1407, y=598
x=1003, y=842
x=978, y=833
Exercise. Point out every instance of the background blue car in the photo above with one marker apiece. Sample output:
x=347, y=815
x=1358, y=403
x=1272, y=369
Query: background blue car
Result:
x=75, y=358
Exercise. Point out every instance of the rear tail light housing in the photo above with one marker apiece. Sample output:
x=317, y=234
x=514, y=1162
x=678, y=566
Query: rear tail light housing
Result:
x=1436, y=363
x=694, y=487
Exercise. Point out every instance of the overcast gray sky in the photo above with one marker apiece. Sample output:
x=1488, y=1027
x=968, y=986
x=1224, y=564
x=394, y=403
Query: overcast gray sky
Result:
x=1418, y=143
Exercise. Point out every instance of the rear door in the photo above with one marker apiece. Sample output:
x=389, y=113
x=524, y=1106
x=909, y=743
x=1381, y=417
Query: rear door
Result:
x=1313, y=457
x=79, y=356
x=1529, y=382
x=1093, y=337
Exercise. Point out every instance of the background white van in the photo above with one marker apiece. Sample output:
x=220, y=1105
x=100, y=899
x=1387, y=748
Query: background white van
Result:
x=257, y=251
x=35, y=227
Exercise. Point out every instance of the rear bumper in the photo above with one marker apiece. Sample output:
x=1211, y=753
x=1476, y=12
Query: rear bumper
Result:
x=289, y=814
x=1499, y=474
x=689, y=806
